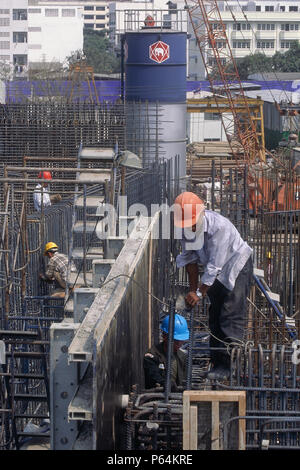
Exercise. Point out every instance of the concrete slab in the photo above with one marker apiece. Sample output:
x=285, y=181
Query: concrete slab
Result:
x=92, y=253
x=91, y=201
x=94, y=177
x=90, y=227
x=94, y=153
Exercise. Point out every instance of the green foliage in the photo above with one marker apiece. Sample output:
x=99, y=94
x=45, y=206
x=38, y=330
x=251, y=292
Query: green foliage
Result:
x=99, y=53
x=288, y=61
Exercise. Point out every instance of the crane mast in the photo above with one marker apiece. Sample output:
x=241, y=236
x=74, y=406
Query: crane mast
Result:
x=240, y=124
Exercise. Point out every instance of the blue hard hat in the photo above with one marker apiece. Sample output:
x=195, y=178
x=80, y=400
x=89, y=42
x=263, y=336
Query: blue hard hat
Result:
x=181, y=331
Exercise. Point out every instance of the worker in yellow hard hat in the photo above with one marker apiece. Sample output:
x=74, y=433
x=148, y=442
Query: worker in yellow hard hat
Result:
x=57, y=269
x=211, y=240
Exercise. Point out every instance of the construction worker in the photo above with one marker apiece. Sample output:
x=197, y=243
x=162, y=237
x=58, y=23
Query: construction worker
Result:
x=211, y=240
x=57, y=269
x=41, y=196
x=155, y=360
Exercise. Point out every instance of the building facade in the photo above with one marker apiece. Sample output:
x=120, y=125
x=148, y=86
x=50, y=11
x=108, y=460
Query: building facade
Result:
x=14, y=36
x=254, y=26
x=55, y=30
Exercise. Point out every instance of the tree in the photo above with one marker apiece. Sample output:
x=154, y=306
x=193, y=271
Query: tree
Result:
x=288, y=61
x=99, y=53
x=249, y=64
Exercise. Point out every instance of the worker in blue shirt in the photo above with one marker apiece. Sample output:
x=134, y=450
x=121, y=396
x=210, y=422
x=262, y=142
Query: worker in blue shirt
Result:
x=211, y=240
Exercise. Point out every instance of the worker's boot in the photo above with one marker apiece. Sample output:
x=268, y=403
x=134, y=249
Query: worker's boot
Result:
x=219, y=372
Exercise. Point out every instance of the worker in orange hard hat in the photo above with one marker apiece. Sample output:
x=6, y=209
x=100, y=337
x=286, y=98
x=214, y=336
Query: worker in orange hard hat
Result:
x=41, y=196
x=211, y=240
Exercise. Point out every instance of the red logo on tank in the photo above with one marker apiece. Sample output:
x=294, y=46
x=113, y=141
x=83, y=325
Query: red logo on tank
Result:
x=159, y=52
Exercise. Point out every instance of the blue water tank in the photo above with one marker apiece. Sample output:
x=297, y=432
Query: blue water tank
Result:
x=155, y=66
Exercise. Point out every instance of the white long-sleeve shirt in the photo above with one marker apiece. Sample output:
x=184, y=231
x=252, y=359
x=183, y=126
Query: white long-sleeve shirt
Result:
x=37, y=197
x=223, y=255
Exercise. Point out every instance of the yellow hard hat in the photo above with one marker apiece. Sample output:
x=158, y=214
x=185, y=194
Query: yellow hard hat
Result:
x=269, y=254
x=50, y=246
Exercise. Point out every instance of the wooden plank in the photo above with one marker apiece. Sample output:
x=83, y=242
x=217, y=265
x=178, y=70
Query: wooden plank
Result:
x=193, y=445
x=215, y=425
x=186, y=422
x=214, y=395
x=242, y=422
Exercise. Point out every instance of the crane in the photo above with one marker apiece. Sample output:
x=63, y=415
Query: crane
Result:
x=239, y=125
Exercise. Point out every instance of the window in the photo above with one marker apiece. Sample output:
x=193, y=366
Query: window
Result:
x=53, y=12
x=99, y=26
x=265, y=44
x=241, y=26
x=282, y=8
x=219, y=44
x=68, y=12
x=241, y=45
x=34, y=10
x=88, y=17
x=258, y=8
x=4, y=12
x=4, y=34
x=19, y=62
x=212, y=116
x=100, y=17
x=266, y=26
x=290, y=27
x=286, y=44
x=89, y=8
x=269, y=8
x=19, y=15
x=4, y=57
x=20, y=59
x=4, y=21
x=100, y=8
x=212, y=61
x=33, y=29
x=293, y=8
x=4, y=44
x=218, y=26
x=88, y=25
x=19, y=37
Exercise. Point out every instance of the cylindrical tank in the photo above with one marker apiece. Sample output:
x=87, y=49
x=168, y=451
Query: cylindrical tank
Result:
x=155, y=93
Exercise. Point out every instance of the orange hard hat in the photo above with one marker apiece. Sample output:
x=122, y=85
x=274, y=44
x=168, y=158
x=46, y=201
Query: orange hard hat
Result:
x=46, y=175
x=149, y=21
x=188, y=209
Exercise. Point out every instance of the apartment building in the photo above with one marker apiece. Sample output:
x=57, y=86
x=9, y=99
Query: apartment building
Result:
x=96, y=15
x=256, y=26
x=14, y=34
x=55, y=30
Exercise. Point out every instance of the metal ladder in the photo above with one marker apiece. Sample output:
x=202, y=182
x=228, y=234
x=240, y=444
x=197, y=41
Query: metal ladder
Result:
x=23, y=366
x=274, y=302
x=84, y=246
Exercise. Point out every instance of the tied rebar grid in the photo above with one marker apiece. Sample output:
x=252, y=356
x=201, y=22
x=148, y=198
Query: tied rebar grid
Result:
x=270, y=378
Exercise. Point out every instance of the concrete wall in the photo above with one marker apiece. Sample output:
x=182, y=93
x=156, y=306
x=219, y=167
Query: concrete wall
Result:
x=118, y=329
